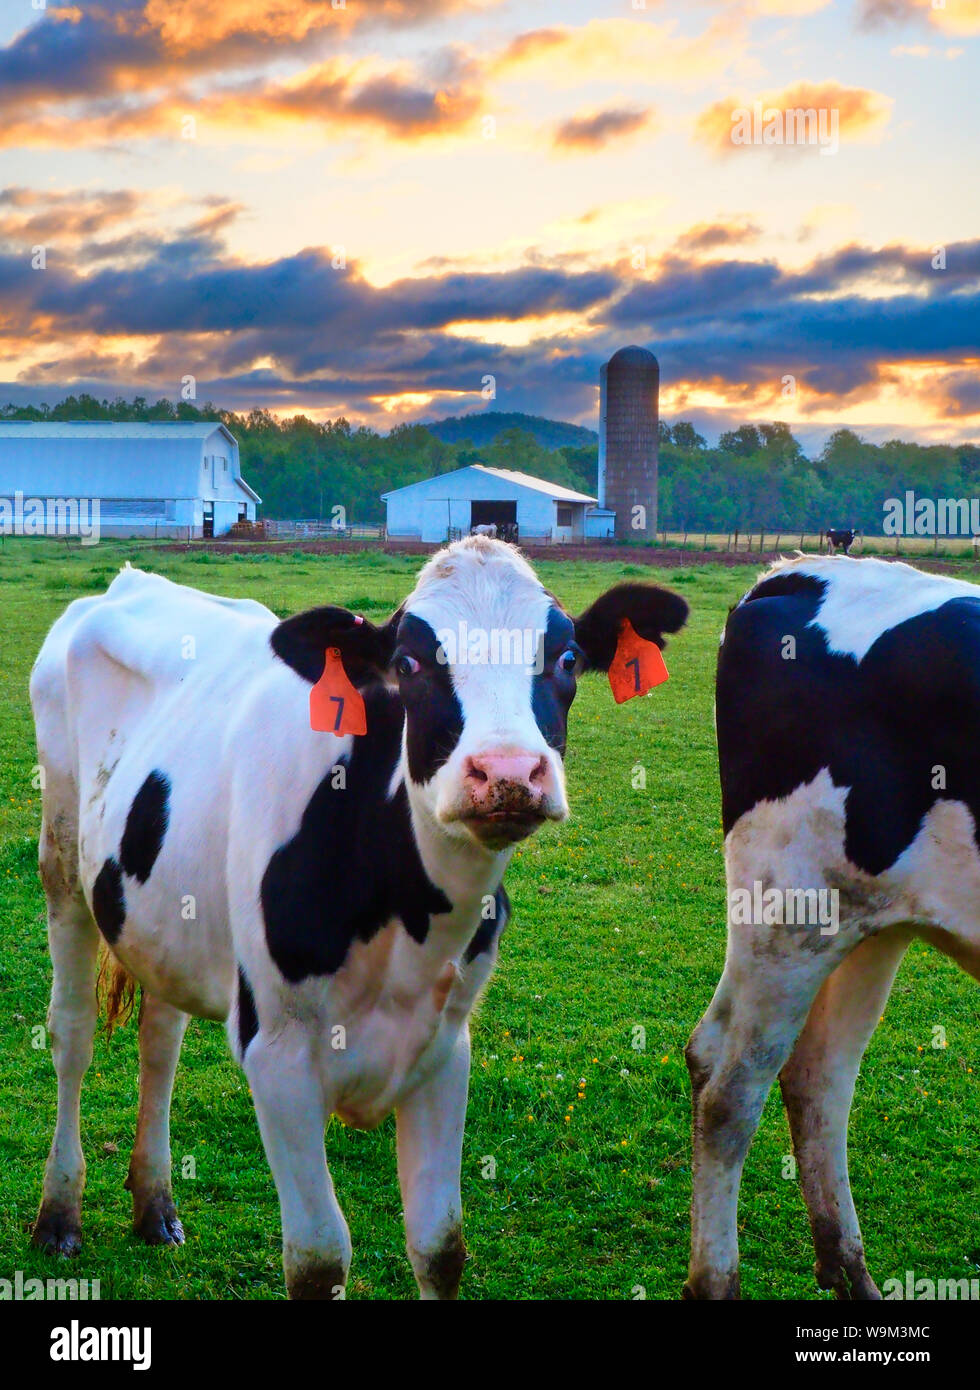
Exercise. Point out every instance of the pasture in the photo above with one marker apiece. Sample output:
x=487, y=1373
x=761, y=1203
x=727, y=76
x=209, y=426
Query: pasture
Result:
x=576, y=1166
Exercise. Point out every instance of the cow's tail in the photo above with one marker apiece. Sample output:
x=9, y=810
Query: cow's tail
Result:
x=115, y=990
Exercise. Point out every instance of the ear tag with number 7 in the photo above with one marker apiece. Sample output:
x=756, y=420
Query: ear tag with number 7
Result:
x=336, y=706
x=637, y=666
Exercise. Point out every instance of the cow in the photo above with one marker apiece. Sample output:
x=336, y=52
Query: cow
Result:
x=840, y=540
x=301, y=828
x=489, y=529
x=847, y=708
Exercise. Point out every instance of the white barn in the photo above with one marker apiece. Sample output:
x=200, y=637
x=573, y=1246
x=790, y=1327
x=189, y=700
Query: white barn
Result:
x=153, y=478
x=452, y=504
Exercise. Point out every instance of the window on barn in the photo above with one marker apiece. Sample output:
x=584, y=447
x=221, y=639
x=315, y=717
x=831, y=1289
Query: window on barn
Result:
x=565, y=514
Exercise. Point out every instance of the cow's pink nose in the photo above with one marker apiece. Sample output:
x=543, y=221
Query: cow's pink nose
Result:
x=488, y=774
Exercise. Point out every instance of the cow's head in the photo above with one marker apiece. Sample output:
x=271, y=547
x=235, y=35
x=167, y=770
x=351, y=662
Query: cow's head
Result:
x=485, y=662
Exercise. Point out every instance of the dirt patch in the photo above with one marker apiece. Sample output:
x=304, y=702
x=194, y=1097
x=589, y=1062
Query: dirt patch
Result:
x=667, y=558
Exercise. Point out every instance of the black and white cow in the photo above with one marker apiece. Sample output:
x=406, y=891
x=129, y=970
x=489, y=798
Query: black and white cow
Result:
x=336, y=897
x=848, y=710
x=840, y=540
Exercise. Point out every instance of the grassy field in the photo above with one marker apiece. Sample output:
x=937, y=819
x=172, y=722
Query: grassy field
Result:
x=618, y=922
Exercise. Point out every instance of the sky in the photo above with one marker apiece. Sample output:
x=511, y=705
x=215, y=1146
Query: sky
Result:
x=398, y=210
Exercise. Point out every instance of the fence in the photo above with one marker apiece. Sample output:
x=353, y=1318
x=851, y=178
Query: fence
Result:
x=321, y=530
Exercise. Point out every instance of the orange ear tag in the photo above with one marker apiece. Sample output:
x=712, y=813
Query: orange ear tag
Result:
x=637, y=666
x=336, y=706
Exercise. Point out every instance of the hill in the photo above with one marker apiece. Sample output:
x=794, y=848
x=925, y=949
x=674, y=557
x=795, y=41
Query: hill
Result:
x=482, y=427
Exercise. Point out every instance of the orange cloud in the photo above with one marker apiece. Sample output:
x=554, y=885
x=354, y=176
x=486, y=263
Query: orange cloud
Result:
x=620, y=50
x=809, y=113
x=334, y=96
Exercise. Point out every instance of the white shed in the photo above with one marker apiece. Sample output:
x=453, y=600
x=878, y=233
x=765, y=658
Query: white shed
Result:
x=451, y=504
x=153, y=478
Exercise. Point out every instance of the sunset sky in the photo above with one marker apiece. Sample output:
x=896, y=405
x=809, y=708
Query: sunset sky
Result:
x=366, y=209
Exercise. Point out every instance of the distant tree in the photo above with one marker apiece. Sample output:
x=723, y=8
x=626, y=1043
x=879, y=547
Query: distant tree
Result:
x=743, y=442
x=685, y=436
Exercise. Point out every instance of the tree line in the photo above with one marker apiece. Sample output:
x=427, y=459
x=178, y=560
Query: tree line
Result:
x=756, y=477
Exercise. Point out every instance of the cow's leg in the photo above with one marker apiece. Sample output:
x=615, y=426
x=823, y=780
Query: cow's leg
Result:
x=818, y=1084
x=289, y=1103
x=74, y=944
x=734, y=1056
x=430, y=1146
x=154, y=1214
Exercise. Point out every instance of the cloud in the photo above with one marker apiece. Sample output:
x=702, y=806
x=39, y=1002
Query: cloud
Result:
x=110, y=47
x=861, y=114
x=403, y=102
x=133, y=307
x=28, y=216
x=592, y=132
x=953, y=17
x=708, y=236
x=622, y=50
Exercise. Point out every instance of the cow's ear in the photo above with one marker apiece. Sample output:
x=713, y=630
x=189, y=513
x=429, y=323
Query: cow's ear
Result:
x=365, y=649
x=652, y=611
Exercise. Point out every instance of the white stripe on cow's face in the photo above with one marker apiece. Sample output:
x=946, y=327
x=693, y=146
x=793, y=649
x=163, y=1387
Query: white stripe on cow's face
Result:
x=489, y=613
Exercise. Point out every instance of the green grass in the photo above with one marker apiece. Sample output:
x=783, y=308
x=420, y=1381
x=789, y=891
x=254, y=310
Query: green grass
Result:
x=618, y=924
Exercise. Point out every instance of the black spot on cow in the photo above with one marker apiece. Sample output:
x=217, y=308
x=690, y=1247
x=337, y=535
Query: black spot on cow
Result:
x=490, y=928
x=146, y=826
x=109, y=901
x=248, y=1019
x=435, y=719
x=881, y=726
x=353, y=864
x=553, y=688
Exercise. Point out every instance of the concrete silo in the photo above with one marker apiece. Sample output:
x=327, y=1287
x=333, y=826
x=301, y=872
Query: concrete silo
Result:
x=629, y=405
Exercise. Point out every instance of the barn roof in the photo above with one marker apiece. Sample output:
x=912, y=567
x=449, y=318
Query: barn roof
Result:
x=508, y=475
x=170, y=430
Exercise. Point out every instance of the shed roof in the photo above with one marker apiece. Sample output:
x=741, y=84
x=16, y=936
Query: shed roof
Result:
x=508, y=475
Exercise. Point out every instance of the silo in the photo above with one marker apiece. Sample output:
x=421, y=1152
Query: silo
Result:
x=629, y=392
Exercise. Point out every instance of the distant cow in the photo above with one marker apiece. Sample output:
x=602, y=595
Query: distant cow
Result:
x=489, y=530
x=840, y=540
x=848, y=710
x=336, y=896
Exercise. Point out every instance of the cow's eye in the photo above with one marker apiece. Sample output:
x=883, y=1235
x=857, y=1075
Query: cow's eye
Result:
x=406, y=665
x=567, y=660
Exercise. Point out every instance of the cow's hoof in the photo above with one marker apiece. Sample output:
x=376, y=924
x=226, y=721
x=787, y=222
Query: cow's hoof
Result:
x=158, y=1224
x=713, y=1287
x=325, y=1282
x=850, y=1283
x=57, y=1231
